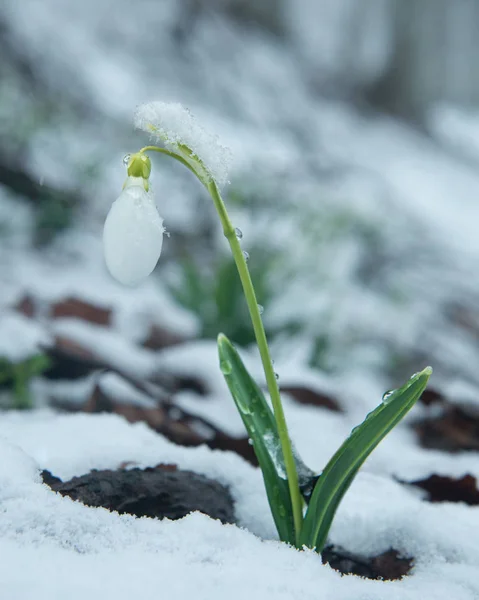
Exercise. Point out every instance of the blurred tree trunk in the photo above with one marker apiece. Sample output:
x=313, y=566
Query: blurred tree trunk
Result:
x=435, y=47
x=266, y=14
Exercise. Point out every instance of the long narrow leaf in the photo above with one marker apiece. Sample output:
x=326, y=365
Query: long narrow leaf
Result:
x=344, y=465
x=259, y=423
x=306, y=477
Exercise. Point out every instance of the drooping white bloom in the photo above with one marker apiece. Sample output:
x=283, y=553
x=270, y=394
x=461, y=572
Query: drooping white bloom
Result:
x=174, y=125
x=133, y=234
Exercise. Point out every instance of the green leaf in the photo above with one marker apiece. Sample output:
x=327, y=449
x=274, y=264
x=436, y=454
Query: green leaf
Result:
x=35, y=365
x=344, y=465
x=259, y=421
x=6, y=370
x=17, y=377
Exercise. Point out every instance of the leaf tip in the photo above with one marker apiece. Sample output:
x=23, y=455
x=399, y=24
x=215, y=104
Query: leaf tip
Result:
x=427, y=371
x=222, y=339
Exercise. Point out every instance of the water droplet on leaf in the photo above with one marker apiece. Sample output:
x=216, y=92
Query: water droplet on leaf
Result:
x=260, y=309
x=238, y=233
x=246, y=255
x=387, y=396
x=225, y=367
x=276, y=376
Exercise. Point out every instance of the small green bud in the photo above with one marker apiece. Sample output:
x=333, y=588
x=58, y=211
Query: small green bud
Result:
x=139, y=165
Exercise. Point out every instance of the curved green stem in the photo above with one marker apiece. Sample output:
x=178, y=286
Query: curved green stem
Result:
x=248, y=289
x=178, y=157
x=263, y=347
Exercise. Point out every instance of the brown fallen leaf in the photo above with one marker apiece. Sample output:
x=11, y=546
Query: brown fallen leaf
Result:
x=449, y=489
x=455, y=429
x=160, y=337
x=388, y=566
x=176, y=424
x=29, y=306
x=71, y=360
x=431, y=396
x=79, y=309
x=306, y=395
x=26, y=306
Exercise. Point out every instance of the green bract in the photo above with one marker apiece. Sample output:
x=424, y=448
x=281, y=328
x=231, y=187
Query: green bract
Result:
x=139, y=165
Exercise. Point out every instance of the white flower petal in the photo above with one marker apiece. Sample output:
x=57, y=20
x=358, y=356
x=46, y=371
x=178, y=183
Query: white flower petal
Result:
x=133, y=234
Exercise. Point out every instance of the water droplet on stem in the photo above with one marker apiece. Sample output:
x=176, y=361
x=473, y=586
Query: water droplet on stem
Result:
x=246, y=255
x=126, y=159
x=260, y=309
x=238, y=233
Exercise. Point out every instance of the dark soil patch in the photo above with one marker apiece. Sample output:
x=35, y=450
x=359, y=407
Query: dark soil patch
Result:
x=387, y=566
x=161, y=492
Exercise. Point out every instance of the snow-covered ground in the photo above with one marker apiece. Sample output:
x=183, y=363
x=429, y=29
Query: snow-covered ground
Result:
x=374, y=225
x=53, y=547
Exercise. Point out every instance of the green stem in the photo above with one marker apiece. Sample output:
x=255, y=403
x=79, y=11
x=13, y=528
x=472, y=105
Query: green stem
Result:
x=178, y=157
x=263, y=347
x=248, y=289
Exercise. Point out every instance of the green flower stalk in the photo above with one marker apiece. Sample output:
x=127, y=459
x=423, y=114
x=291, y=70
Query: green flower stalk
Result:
x=133, y=235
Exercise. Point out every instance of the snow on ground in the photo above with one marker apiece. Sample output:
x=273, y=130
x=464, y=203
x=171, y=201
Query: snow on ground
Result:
x=57, y=548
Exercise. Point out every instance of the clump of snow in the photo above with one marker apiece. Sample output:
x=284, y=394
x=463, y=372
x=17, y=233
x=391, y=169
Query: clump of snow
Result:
x=107, y=344
x=20, y=338
x=114, y=386
x=174, y=125
x=457, y=128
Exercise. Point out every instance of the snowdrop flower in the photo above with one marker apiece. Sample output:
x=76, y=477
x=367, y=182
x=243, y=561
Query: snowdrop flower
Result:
x=133, y=231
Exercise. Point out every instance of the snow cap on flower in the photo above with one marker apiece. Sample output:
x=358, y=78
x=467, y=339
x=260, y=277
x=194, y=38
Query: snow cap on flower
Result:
x=133, y=233
x=174, y=125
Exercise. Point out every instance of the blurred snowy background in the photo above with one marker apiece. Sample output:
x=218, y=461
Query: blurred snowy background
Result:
x=355, y=132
